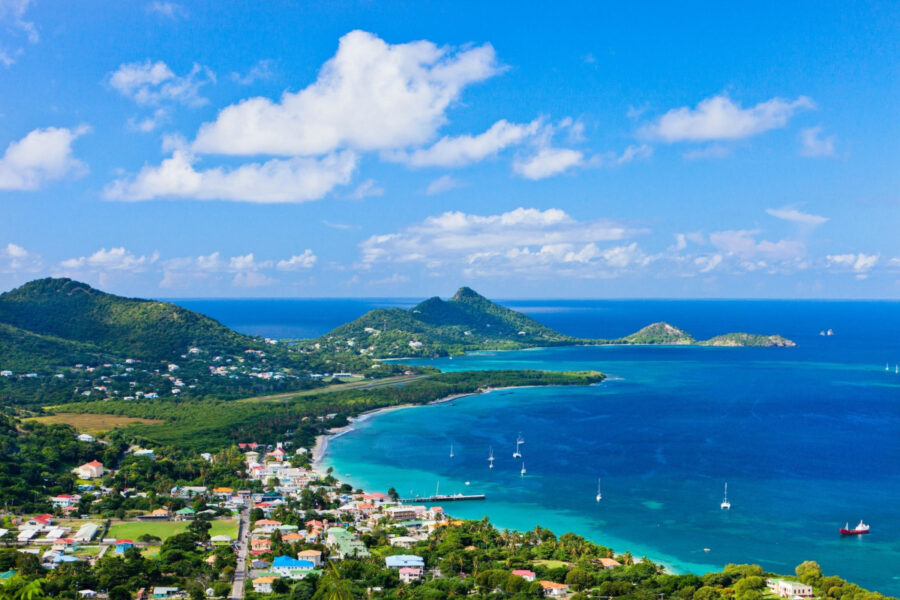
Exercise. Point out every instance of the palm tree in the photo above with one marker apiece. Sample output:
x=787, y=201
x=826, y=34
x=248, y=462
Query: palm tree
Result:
x=31, y=591
x=334, y=587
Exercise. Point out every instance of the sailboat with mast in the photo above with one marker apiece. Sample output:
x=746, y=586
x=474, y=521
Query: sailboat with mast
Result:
x=599, y=495
x=451, y=450
x=491, y=458
x=517, y=453
x=522, y=472
x=726, y=505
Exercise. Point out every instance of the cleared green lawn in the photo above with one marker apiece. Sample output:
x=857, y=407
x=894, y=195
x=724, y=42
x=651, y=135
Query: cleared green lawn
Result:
x=132, y=530
x=552, y=564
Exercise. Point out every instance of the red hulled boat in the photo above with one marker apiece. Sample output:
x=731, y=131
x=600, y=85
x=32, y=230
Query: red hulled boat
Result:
x=858, y=530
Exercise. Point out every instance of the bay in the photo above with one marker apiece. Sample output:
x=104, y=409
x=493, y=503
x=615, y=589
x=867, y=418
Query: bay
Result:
x=806, y=437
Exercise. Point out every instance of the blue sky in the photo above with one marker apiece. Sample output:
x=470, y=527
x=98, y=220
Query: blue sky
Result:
x=381, y=149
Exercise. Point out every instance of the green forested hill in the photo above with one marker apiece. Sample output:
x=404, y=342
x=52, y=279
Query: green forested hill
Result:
x=659, y=333
x=468, y=321
x=143, y=329
x=26, y=351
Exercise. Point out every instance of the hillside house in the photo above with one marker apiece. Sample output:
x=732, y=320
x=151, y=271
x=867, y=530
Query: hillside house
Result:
x=91, y=470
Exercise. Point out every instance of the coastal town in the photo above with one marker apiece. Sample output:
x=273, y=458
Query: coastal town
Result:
x=290, y=527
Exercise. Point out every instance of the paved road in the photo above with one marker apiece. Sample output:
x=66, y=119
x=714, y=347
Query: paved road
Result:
x=240, y=573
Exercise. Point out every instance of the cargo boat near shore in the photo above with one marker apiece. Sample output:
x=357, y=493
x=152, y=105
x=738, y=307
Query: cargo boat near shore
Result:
x=860, y=529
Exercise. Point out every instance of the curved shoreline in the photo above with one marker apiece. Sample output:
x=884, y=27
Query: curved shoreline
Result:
x=321, y=446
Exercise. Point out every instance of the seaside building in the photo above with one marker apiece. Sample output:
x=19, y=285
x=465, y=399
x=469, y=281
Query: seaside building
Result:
x=789, y=589
x=524, y=574
x=609, y=563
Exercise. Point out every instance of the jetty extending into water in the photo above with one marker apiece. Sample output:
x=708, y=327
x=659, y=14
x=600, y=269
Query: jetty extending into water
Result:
x=443, y=498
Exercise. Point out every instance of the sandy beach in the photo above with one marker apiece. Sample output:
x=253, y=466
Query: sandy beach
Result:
x=321, y=446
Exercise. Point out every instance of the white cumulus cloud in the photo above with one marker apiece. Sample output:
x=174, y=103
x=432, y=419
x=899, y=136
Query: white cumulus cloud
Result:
x=858, y=263
x=521, y=239
x=15, y=258
x=720, y=118
x=371, y=95
x=42, y=155
x=291, y=180
x=457, y=151
x=548, y=162
x=306, y=260
x=152, y=83
x=114, y=259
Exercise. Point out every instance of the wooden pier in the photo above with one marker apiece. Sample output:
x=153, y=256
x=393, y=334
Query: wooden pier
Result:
x=443, y=498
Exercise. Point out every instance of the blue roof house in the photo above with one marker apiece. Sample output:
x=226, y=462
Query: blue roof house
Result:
x=287, y=566
x=398, y=561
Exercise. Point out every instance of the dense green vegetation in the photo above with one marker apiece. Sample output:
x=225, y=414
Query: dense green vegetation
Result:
x=747, y=339
x=63, y=341
x=128, y=327
x=476, y=560
x=38, y=459
x=26, y=351
x=468, y=321
x=659, y=333
x=214, y=424
x=180, y=562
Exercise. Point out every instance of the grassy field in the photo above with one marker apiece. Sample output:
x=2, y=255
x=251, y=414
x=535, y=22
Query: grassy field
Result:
x=552, y=564
x=132, y=530
x=93, y=424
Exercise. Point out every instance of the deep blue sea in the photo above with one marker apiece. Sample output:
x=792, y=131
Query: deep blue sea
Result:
x=808, y=438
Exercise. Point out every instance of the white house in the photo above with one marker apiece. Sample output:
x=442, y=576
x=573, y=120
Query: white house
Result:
x=789, y=589
x=410, y=574
x=263, y=585
x=91, y=470
x=291, y=567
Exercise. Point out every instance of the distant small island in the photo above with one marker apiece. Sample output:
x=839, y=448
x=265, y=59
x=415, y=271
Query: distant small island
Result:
x=663, y=333
x=470, y=322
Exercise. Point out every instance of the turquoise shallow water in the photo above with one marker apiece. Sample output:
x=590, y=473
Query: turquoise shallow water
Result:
x=807, y=438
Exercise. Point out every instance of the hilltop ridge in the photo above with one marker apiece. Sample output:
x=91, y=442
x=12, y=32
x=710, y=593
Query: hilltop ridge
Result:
x=468, y=321
x=146, y=329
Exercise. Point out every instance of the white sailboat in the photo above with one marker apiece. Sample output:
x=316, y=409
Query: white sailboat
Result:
x=517, y=454
x=451, y=450
x=522, y=472
x=726, y=505
x=887, y=367
x=491, y=459
x=599, y=495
